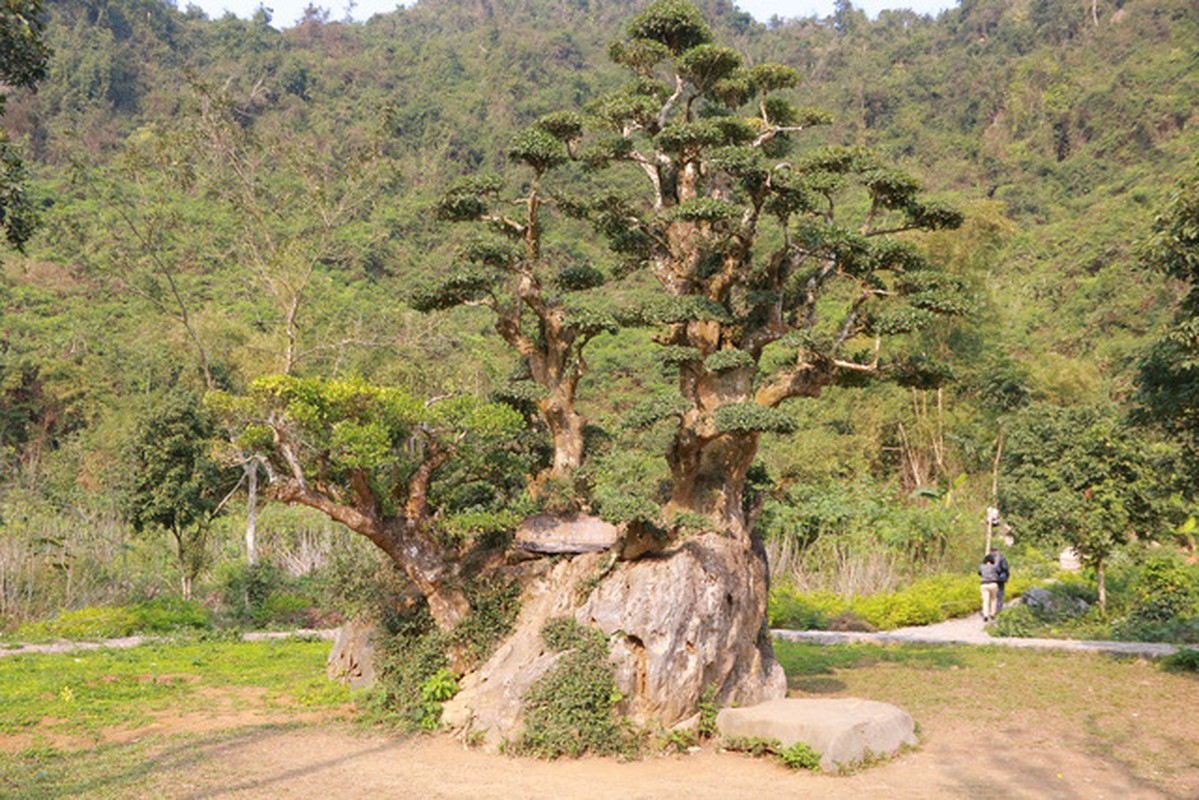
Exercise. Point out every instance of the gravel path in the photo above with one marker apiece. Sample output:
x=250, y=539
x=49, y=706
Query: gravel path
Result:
x=970, y=630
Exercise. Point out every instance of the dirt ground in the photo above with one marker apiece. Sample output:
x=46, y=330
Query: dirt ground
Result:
x=1130, y=734
x=955, y=761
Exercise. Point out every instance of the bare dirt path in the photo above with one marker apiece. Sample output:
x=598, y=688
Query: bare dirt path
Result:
x=991, y=735
x=955, y=761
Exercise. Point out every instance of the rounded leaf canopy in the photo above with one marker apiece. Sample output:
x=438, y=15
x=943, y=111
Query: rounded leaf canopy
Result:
x=674, y=23
x=467, y=199
x=730, y=358
x=467, y=284
x=704, y=209
x=680, y=137
x=641, y=55
x=579, y=277
x=708, y=63
x=772, y=77
x=538, y=148
x=751, y=417
x=564, y=126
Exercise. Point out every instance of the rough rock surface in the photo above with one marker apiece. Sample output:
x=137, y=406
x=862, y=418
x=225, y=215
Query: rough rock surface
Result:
x=489, y=699
x=1049, y=604
x=682, y=619
x=844, y=731
x=677, y=621
x=352, y=659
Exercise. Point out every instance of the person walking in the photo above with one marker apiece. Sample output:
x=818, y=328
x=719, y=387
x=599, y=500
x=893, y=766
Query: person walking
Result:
x=1004, y=571
x=989, y=587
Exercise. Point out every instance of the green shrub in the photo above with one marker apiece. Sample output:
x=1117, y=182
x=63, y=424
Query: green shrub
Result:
x=1017, y=621
x=1166, y=588
x=162, y=615
x=412, y=653
x=954, y=594
x=897, y=610
x=414, y=676
x=167, y=614
x=1186, y=660
x=802, y=611
x=1183, y=630
x=283, y=607
x=571, y=710
x=90, y=622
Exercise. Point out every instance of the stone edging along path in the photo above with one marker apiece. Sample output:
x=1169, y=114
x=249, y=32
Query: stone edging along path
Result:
x=64, y=646
x=965, y=631
x=970, y=631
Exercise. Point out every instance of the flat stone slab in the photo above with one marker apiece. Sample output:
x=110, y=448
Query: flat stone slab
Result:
x=844, y=731
x=546, y=533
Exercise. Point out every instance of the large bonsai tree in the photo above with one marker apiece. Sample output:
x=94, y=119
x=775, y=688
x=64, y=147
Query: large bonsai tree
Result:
x=769, y=290
x=780, y=267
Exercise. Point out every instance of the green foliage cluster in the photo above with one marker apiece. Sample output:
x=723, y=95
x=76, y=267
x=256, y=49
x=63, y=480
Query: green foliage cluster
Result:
x=157, y=616
x=261, y=596
x=571, y=710
x=1185, y=660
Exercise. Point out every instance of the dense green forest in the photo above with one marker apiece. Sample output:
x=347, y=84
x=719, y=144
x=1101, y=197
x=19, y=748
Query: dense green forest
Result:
x=220, y=201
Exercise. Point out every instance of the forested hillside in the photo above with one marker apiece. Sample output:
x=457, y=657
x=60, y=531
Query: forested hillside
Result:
x=221, y=201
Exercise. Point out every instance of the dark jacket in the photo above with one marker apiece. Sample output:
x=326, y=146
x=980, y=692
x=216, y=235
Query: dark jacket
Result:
x=1001, y=565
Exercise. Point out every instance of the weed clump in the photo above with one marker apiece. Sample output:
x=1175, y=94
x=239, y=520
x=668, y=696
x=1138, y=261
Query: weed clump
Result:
x=571, y=710
x=799, y=755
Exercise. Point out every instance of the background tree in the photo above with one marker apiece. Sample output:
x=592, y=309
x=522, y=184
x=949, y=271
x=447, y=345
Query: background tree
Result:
x=176, y=483
x=1080, y=478
x=1169, y=372
x=24, y=57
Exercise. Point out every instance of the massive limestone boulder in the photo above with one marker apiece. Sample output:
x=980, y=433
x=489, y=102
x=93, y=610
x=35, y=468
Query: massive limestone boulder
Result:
x=683, y=619
x=845, y=732
x=678, y=620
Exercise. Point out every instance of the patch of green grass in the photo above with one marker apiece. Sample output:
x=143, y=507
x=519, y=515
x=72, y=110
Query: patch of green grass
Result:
x=83, y=692
x=800, y=659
